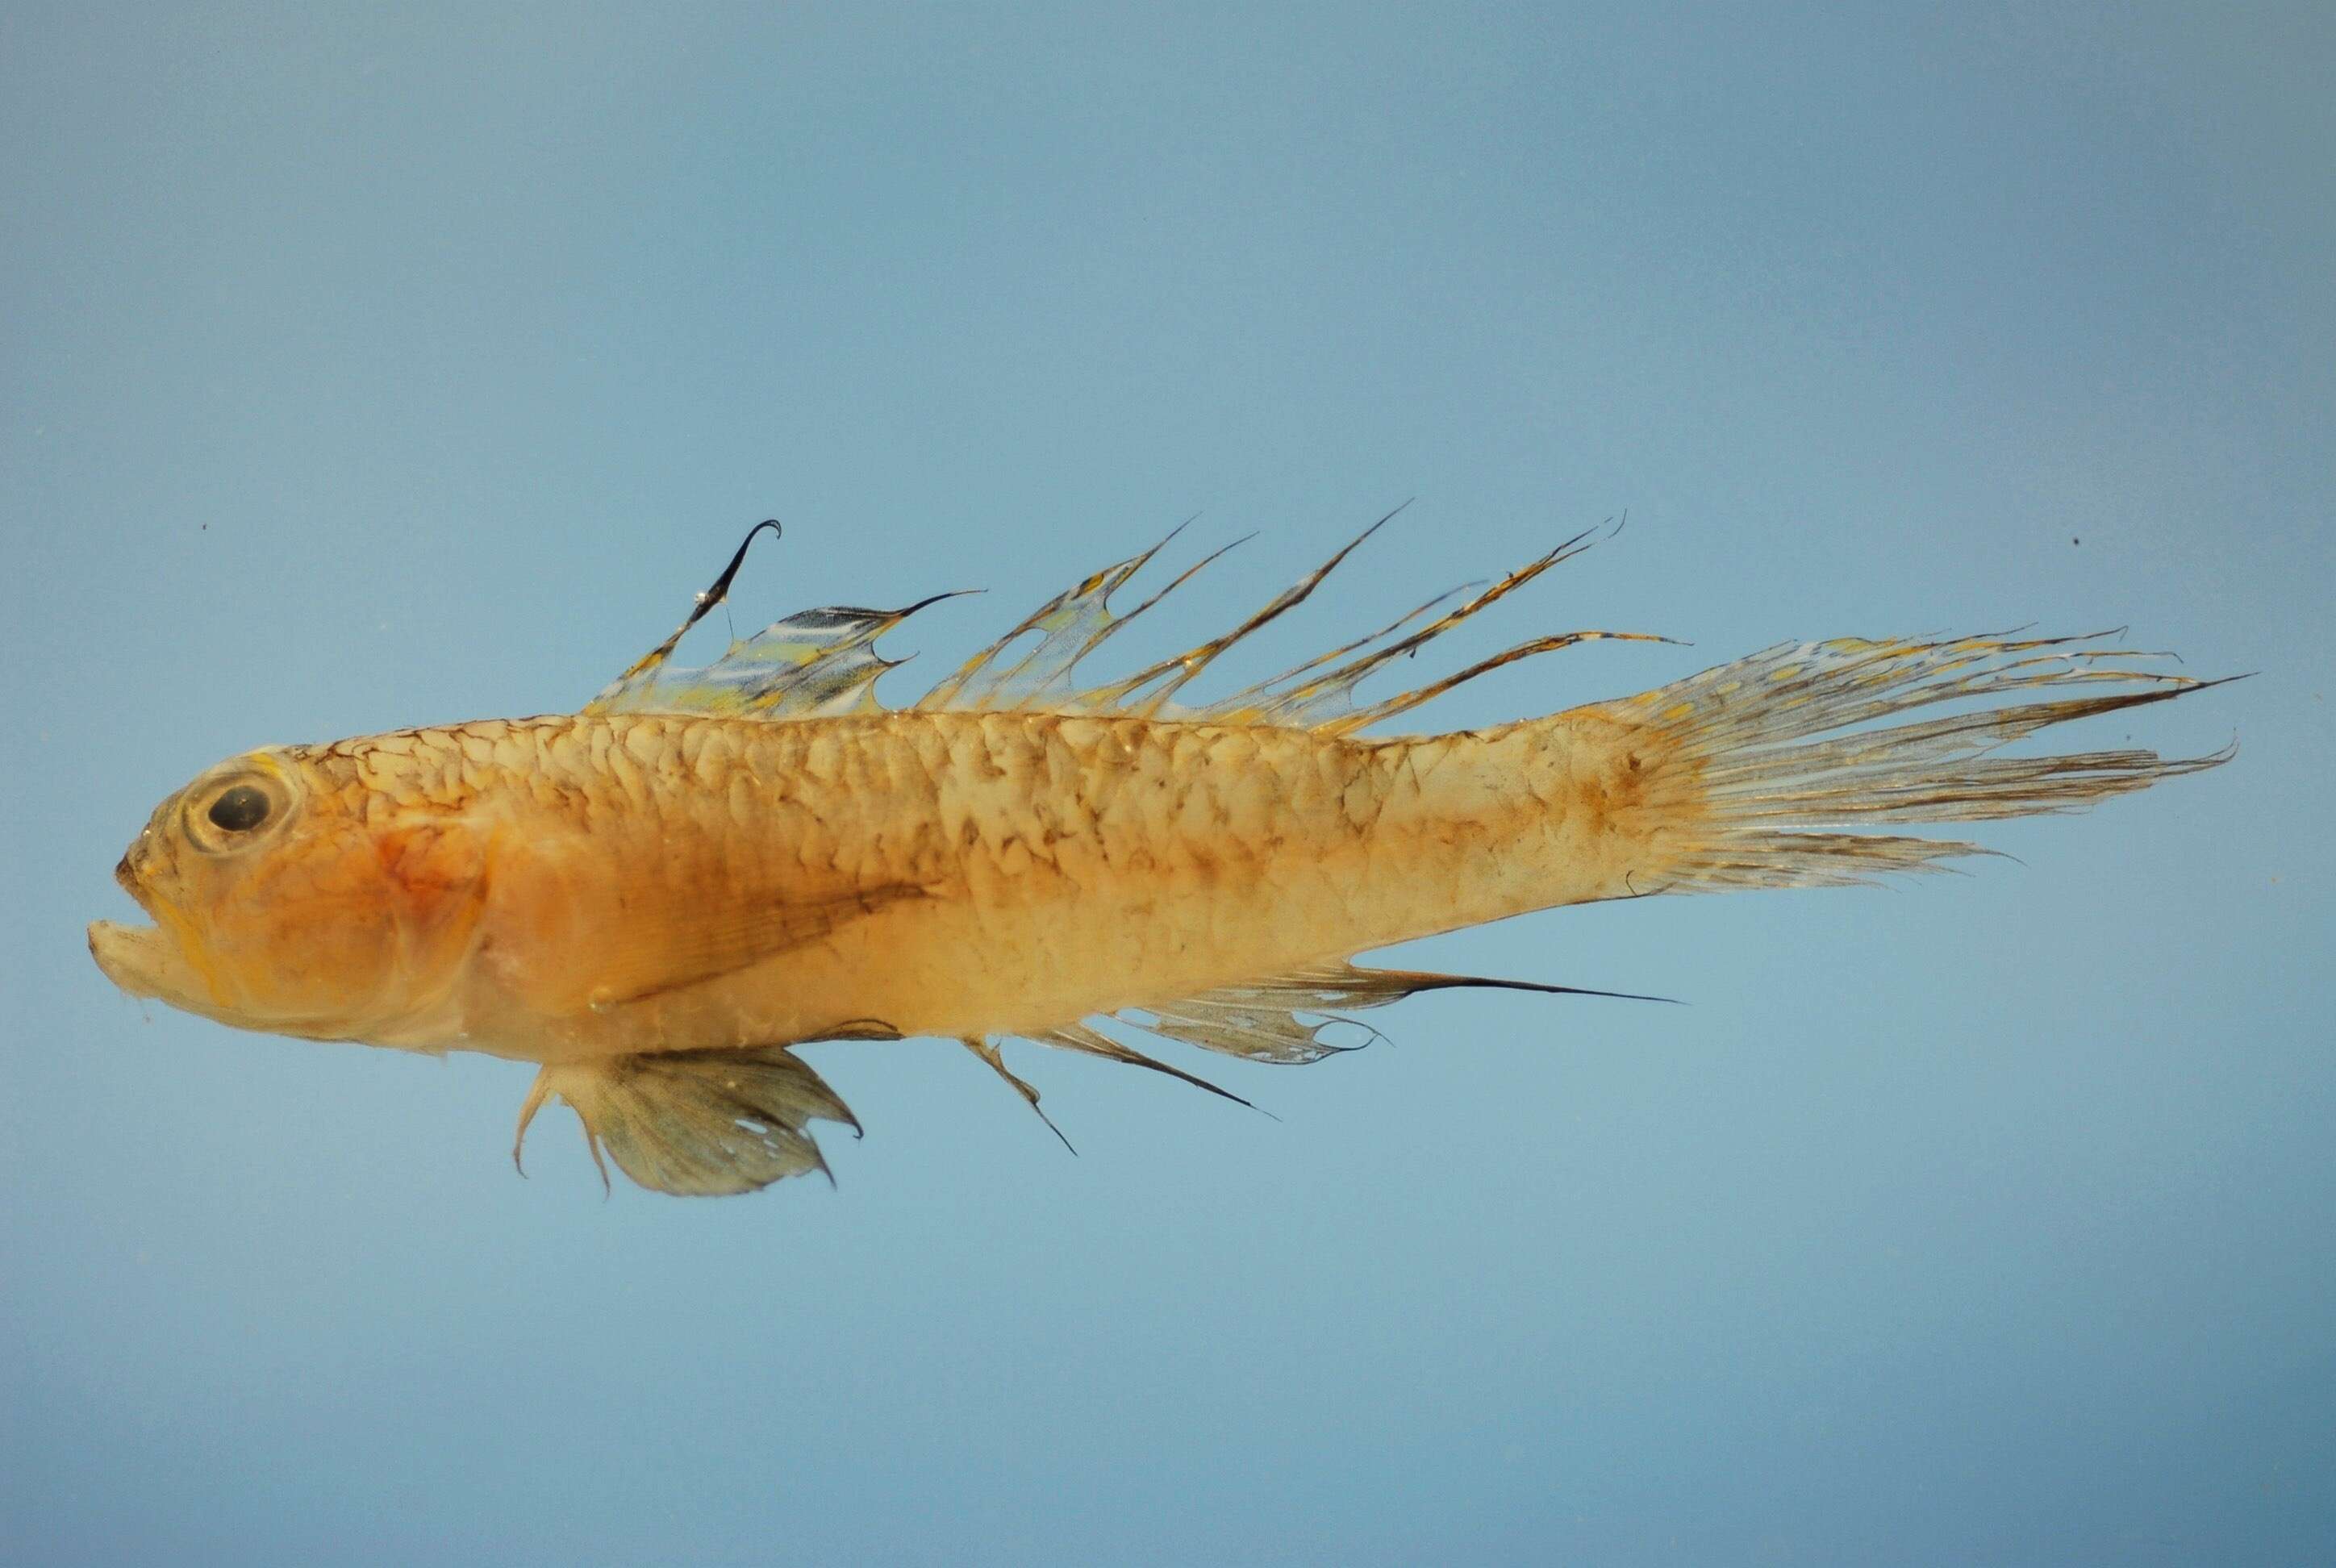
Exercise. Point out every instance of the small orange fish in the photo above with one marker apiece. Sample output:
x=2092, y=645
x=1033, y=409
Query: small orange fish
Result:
x=657, y=897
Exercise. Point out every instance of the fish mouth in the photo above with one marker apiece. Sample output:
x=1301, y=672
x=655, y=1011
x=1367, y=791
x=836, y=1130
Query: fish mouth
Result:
x=138, y=959
x=125, y=876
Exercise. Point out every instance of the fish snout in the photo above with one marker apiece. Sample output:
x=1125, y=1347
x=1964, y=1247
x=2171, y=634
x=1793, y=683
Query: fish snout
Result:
x=134, y=873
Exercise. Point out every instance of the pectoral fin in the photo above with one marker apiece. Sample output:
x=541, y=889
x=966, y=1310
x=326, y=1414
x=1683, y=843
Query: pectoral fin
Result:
x=706, y=939
x=696, y=1124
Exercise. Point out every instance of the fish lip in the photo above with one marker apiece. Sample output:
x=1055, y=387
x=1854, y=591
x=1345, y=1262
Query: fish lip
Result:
x=126, y=877
x=133, y=958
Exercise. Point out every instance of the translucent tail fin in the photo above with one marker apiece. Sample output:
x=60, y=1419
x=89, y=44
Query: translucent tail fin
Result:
x=1766, y=792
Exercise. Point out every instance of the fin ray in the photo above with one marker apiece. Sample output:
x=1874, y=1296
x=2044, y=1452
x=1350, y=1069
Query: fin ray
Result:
x=1769, y=785
x=697, y=1124
x=813, y=663
x=1145, y=692
x=995, y=1060
x=823, y=662
x=1070, y=625
x=1266, y=1020
x=1090, y=1041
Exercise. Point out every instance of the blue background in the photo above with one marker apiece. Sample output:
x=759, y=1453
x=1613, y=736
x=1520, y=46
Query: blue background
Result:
x=373, y=366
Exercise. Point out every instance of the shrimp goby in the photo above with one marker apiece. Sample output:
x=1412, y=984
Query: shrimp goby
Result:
x=657, y=897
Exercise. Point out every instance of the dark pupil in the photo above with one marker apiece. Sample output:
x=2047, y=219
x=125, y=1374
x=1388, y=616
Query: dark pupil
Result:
x=239, y=810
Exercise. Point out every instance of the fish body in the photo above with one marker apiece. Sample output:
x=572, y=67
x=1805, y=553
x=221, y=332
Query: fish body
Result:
x=571, y=887
x=655, y=898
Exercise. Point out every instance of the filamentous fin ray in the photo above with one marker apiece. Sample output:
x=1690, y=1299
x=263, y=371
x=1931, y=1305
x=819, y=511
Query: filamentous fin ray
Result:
x=988, y=1052
x=1340, y=684
x=1284, y=693
x=813, y=663
x=1145, y=692
x=701, y=606
x=1261, y=1019
x=1092, y=1042
x=1070, y=625
x=1776, y=785
x=1050, y=684
x=823, y=662
x=1404, y=702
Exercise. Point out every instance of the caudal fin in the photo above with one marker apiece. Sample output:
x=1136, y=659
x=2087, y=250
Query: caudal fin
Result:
x=1776, y=762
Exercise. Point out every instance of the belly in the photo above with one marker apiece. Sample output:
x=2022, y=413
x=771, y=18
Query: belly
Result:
x=992, y=961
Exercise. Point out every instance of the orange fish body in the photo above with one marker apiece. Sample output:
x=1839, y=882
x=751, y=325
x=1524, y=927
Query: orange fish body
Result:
x=570, y=887
x=655, y=898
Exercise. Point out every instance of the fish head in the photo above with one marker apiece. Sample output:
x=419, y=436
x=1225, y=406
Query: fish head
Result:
x=288, y=899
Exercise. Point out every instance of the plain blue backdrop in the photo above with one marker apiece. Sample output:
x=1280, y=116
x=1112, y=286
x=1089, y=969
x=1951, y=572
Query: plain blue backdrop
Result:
x=368, y=366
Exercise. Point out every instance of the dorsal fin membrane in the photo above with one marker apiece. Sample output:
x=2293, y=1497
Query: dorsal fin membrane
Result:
x=814, y=662
x=1070, y=625
x=699, y=608
x=1146, y=692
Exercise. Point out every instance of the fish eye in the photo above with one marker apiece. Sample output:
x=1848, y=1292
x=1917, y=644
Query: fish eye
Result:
x=238, y=809
x=231, y=813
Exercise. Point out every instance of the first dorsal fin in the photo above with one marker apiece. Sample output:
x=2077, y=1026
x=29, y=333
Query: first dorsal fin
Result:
x=814, y=662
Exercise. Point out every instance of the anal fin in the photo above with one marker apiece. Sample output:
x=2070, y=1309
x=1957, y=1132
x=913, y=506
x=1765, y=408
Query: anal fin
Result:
x=987, y=1051
x=1284, y=1018
x=696, y=1124
x=1279, y=1019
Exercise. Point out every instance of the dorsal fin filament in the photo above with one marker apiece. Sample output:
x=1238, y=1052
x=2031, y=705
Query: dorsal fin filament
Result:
x=823, y=662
